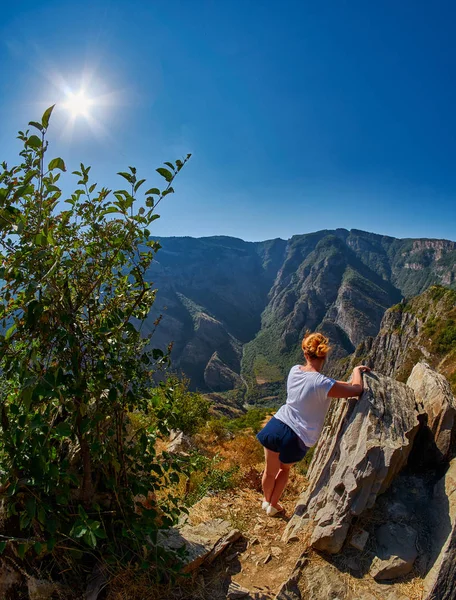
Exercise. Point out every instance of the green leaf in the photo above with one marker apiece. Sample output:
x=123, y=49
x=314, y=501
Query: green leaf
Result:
x=38, y=547
x=57, y=163
x=126, y=176
x=138, y=184
x=10, y=332
x=165, y=173
x=36, y=125
x=100, y=533
x=63, y=429
x=168, y=191
x=153, y=191
x=46, y=116
x=34, y=141
x=79, y=531
x=170, y=165
x=82, y=513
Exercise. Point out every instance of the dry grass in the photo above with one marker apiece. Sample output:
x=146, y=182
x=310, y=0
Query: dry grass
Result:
x=205, y=584
x=410, y=586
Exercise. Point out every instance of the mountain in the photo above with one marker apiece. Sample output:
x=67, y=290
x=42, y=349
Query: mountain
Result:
x=236, y=309
x=424, y=328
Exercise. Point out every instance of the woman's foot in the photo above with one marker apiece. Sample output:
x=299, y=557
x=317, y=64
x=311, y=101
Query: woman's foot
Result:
x=265, y=505
x=273, y=511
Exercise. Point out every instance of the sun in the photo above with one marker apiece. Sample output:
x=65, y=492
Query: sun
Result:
x=78, y=104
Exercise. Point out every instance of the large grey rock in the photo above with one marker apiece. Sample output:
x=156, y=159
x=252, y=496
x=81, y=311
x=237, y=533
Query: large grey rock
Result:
x=440, y=582
x=202, y=543
x=434, y=392
x=396, y=551
x=364, y=445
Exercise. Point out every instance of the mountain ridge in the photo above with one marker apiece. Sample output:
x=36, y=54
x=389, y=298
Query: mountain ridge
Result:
x=234, y=307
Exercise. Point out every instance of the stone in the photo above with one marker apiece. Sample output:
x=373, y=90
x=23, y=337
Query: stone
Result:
x=364, y=445
x=434, y=392
x=439, y=583
x=276, y=551
x=396, y=553
x=289, y=590
x=397, y=511
x=359, y=539
x=39, y=589
x=202, y=542
x=179, y=443
x=236, y=591
x=10, y=579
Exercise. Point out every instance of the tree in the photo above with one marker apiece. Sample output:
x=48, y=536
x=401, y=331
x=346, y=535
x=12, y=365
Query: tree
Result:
x=73, y=365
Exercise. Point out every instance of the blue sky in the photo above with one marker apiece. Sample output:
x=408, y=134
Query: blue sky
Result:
x=300, y=115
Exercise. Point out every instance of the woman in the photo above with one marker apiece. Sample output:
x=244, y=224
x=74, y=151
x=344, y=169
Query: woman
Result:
x=297, y=424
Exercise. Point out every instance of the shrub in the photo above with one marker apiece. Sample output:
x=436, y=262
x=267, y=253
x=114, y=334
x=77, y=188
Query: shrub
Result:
x=73, y=364
x=208, y=477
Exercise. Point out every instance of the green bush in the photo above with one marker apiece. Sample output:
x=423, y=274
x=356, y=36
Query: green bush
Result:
x=74, y=366
x=208, y=478
x=252, y=419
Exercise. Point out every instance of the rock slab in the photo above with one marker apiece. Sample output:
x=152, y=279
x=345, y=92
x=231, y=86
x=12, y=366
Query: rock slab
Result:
x=365, y=443
x=202, y=542
x=397, y=551
x=434, y=391
x=440, y=582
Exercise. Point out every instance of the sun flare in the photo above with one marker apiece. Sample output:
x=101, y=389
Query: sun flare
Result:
x=78, y=104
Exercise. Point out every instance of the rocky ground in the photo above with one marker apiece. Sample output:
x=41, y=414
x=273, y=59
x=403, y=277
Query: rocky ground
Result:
x=375, y=520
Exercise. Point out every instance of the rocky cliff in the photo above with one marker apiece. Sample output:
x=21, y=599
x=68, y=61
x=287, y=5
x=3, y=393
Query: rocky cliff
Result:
x=424, y=328
x=231, y=306
x=380, y=501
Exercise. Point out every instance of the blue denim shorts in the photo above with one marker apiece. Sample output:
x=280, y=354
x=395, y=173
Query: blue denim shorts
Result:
x=278, y=437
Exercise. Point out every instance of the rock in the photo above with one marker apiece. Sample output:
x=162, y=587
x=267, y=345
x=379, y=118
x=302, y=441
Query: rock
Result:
x=39, y=589
x=236, y=591
x=97, y=582
x=289, y=590
x=276, y=551
x=439, y=583
x=179, y=443
x=434, y=392
x=358, y=539
x=397, y=551
x=397, y=511
x=364, y=445
x=318, y=582
x=203, y=542
x=10, y=579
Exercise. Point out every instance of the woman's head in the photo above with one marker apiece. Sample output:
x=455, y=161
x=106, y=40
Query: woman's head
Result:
x=315, y=346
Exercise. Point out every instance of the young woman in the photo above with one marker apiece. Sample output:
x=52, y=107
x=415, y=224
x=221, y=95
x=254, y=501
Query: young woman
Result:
x=297, y=424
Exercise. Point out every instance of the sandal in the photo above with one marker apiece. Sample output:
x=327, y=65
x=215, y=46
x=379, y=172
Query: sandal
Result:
x=265, y=505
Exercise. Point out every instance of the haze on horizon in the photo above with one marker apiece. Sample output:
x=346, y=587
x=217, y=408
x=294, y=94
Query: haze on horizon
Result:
x=300, y=117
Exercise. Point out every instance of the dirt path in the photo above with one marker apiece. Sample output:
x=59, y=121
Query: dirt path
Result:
x=260, y=562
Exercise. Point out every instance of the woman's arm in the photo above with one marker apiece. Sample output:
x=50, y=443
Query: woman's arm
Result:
x=342, y=389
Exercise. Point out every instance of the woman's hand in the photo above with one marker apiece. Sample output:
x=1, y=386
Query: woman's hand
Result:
x=347, y=390
x=363, y=369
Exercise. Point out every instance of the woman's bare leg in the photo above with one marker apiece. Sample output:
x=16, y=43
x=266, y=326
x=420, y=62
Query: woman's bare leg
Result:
x=281, y=480
x=271, y=469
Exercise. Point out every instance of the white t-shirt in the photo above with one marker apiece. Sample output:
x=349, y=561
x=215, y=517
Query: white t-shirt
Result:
x=307, y=403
